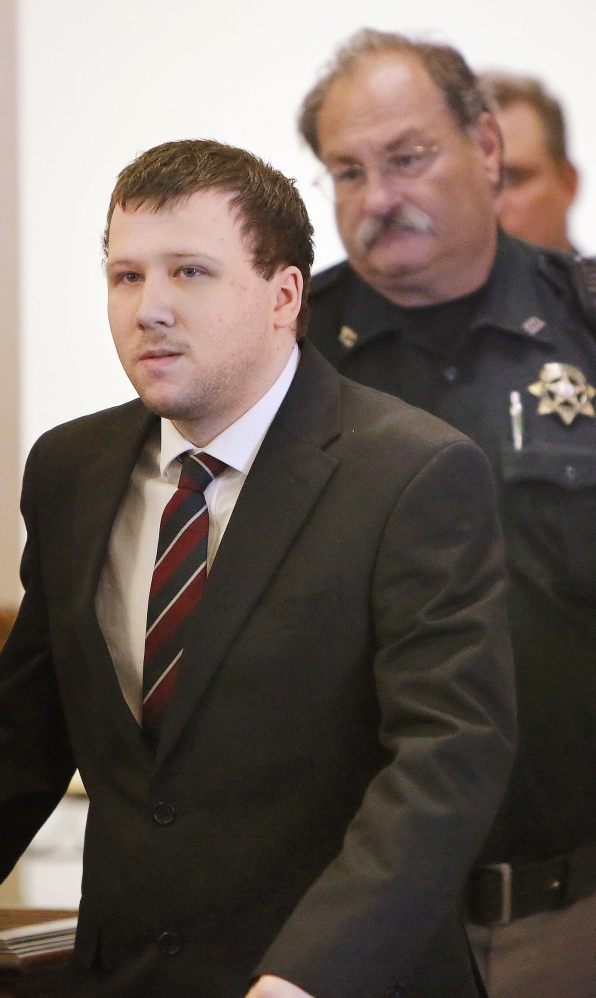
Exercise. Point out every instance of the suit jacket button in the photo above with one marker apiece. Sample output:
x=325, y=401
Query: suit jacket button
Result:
x=169, y=943
x=164, y=814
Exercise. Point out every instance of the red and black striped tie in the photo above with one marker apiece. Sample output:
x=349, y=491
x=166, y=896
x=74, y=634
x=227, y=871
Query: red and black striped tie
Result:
x=177, y=586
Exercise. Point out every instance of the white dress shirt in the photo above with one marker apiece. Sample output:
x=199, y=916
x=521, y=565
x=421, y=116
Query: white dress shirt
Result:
x=123, y=591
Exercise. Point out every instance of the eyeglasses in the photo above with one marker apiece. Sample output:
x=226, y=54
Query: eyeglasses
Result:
x=343, y=180
x=515, y=176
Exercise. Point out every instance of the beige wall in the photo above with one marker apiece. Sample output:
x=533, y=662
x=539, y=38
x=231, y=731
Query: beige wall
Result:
x=101, y=81
x=9, y=313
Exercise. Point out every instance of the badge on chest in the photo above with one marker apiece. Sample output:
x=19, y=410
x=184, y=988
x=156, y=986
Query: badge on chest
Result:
x=564, y=390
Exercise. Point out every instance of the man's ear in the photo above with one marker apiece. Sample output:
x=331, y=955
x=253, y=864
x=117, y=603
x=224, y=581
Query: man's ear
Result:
x=288, y=296
x=570, y=180
x=486, y=133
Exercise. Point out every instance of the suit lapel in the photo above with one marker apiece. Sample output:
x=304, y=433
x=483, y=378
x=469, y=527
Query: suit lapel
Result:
x=105, y=474
x=284, y=484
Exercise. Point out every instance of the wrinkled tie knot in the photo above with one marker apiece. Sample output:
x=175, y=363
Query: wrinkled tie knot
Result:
x=198, y=471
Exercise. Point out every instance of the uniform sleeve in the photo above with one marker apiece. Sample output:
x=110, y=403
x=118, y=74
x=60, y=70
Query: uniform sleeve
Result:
x=445, y=686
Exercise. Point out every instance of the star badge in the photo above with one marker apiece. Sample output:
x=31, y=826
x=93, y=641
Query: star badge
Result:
x=347, y=337
x=563, y=389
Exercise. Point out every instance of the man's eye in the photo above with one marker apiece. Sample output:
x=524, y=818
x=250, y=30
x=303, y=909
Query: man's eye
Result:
x=409, y=163
x=512, y=176
x=349, y=175
x=409, y=160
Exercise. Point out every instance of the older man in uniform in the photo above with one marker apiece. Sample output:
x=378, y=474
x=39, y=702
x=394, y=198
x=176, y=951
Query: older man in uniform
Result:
x=539, y=183
x=438, y=306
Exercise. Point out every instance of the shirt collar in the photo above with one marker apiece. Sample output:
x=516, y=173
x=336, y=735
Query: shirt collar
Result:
x=512, y=301
x=238, y=444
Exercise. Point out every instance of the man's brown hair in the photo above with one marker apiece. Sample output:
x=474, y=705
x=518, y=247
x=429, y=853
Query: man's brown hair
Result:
x=503, y=89
x=271, y=212
x=445, y=66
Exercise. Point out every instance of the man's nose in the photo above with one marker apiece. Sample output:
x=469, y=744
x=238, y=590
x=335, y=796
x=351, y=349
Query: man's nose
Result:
x=155, y=307
x=380, y=193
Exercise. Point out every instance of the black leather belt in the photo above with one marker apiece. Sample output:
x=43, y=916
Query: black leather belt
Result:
x=498, y=893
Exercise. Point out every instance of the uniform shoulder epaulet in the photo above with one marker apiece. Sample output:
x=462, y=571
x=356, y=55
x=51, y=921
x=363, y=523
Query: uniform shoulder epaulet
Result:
x=580, y=271
x=584, y=273
x=327, y=278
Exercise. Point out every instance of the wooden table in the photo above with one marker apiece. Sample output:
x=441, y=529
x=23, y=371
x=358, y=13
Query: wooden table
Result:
x=13, y=918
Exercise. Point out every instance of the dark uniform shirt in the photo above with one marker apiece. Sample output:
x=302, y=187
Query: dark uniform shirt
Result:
x=461, y=361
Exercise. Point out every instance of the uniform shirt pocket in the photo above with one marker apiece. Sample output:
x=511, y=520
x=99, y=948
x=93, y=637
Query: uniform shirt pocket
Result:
x=549, y=503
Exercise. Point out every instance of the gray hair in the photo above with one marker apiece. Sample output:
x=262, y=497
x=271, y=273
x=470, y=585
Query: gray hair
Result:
x=444, y=64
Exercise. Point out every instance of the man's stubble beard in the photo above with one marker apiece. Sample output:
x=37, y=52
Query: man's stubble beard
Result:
x=196, y=401
x=202, y=407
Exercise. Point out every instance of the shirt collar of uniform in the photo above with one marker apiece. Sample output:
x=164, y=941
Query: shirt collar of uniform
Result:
x=238, y=444
x=511, y=301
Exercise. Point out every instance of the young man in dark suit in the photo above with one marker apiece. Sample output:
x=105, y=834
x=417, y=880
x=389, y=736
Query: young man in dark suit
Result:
x=291, y=765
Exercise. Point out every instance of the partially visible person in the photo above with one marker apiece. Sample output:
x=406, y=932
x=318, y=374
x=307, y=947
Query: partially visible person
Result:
x=539, y=183
x=438, y=306
x=7, y=619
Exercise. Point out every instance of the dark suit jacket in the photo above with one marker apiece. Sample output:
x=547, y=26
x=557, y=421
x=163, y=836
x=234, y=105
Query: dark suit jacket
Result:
x=341, y=735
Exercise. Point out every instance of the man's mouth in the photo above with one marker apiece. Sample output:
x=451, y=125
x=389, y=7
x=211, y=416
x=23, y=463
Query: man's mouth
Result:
x=406, y=219
x=158, y=352
x=158, y=357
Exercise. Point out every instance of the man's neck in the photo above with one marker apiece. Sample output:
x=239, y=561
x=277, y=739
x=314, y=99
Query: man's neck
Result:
x=204, y=432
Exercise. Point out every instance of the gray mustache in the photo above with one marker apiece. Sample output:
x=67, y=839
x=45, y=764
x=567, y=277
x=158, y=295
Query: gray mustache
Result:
x=406, y=219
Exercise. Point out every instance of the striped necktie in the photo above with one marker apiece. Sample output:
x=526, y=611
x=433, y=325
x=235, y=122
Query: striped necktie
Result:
x=178, y=583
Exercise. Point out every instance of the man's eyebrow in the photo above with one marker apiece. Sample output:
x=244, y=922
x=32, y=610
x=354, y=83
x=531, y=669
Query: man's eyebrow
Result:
x=389, y=147
x=342, y=158
x=184, y=254
x=176, y=255
x=407, y=136
x=120, y=262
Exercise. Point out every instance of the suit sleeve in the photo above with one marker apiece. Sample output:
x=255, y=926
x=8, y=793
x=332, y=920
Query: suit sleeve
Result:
x=36, y=761
x=445, y=687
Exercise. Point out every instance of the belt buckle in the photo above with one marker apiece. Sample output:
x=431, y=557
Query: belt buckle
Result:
x=506, y=872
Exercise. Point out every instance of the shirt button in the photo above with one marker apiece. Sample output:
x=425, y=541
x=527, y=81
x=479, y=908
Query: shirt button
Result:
x=450, y=373
x=169, y=943
x=164, y=814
